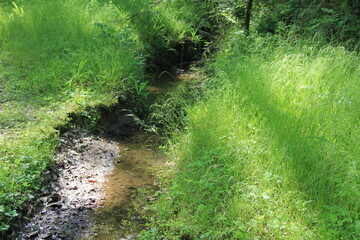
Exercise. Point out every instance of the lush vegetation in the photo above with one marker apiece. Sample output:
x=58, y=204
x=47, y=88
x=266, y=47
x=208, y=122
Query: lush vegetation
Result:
x=271, y=151
x=267, y=150
x=332, y=20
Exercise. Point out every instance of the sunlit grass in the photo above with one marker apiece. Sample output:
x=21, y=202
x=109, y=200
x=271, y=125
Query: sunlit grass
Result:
x=272, y=151
x=64, y=45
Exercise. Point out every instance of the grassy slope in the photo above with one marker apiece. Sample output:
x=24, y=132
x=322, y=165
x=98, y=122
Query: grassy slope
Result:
x=57, y=58
x=62, y=57
x=272, y=151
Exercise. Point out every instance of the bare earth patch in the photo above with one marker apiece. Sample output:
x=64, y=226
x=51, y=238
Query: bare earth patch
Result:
x=95, y=191
x=83, y=162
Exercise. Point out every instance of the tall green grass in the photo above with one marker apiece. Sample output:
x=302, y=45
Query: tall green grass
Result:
x=168, y=29
x=64, y=45
x=272, y=151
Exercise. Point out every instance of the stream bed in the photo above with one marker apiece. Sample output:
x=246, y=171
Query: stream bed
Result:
x=99, y=187
x=127, y=190
x=99, y=191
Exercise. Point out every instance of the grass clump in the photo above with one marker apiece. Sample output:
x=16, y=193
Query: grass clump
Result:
x=68, y=45
x=171, y=31
x=271, y=152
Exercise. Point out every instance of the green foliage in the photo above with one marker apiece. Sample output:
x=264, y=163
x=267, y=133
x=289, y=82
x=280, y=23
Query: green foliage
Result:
x=164, y=26
x=168, y=115
x=271, y=152
x=65, y=45
x=332, y=20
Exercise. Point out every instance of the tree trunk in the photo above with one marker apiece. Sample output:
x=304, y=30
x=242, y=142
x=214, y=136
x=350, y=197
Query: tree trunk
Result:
x=247, y=16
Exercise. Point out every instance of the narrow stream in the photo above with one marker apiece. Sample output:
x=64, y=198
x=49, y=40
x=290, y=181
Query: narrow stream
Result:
x=121, y=214
x=100, y=187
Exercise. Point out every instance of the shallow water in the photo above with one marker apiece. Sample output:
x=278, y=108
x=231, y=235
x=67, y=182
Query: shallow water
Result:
x=128, y=188
x=101, y=187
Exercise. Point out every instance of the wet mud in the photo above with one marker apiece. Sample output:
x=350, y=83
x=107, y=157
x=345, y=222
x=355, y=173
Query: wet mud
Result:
x=128, y=190
x=99, y=191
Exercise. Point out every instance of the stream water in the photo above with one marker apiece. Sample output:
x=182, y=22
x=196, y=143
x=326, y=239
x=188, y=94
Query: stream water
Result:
x=121, y=216
x=101, y=187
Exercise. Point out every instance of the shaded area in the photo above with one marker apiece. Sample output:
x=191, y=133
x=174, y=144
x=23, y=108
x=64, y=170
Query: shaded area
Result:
x=174, y=33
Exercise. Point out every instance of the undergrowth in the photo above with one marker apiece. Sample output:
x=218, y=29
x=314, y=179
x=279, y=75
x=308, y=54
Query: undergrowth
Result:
x=171, y=31
x=272, y=151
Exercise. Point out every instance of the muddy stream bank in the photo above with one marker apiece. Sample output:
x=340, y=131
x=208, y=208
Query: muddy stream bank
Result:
x=95, y=193
x=101, y=186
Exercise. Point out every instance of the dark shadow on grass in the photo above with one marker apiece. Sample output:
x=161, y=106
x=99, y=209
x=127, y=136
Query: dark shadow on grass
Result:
x=156, y=32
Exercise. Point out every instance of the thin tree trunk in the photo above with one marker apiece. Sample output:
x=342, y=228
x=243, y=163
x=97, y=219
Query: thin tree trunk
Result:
x=247, y=16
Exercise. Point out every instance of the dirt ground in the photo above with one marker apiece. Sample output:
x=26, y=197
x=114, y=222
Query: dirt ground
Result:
x=83, y=162
x=99, y=189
